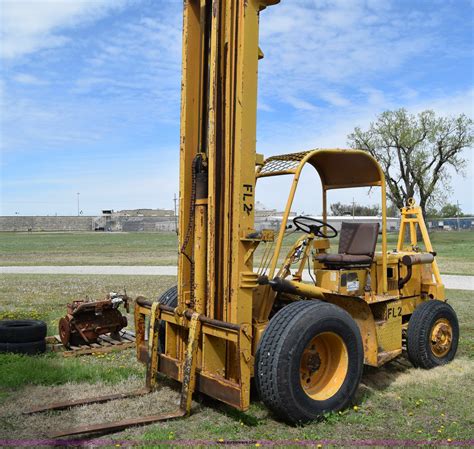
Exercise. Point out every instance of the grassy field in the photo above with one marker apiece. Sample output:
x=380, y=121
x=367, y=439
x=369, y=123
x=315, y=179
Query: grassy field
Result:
x=396, y=402
x=88, y=248
x=455, y=249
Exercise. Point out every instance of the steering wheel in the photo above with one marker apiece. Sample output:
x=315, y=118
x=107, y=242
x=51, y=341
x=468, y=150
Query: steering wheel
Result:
x=312, y=225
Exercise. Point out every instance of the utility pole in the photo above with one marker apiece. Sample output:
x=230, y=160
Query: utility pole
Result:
x=175, y=215
x=78, y=208
x=353, y=208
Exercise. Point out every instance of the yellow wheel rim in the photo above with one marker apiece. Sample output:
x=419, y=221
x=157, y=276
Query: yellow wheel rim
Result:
x=441, y=337
x=324, y=365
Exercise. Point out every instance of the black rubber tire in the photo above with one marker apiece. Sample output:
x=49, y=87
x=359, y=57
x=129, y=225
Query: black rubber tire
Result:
x=30, y=348
x=22, y=331
x=277, y=364
x=168, y=298
x=419, y=331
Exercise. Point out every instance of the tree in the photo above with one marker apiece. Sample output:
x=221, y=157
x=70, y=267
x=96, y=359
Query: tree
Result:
x=339, y=209
x=415, y=152
x=450, y=210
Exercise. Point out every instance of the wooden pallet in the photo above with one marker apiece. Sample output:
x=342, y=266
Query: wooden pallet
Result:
x=104, y=344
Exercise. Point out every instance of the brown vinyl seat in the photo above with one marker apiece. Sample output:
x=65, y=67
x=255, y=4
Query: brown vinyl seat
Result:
x=356, y=246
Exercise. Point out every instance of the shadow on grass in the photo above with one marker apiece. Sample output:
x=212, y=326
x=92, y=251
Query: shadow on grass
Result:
x=379, y=379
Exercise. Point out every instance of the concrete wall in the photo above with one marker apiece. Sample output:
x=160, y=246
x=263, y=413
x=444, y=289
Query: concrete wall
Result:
x=138, y=224
x=22, y=223
x=117, y=223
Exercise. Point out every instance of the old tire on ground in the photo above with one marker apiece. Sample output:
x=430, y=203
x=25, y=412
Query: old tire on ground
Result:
x=433, y=334
x=168, y=298
x=31, y=348
x=21, y=331
x=309, y=361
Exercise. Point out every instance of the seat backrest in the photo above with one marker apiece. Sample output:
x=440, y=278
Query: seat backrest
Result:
x=358, y=238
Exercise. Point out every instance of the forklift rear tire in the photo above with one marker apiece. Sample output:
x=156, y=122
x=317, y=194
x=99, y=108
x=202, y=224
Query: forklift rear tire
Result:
x=309, y=361
x=433, y=334
x=168, y=298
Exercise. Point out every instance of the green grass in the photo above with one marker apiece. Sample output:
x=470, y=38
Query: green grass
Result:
x=45, y=296
x=88, y=248
x=455, y=249
x=50, y=369
x=393, y=402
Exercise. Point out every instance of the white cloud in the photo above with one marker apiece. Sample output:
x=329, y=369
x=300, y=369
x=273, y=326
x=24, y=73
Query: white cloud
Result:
x=29, y=25
x=316, y=48
x=458, y=102
x=299, y=103
x=26, y=78
x=334, y=98
x=125, y=76
x=375, y=97
x=329, y=130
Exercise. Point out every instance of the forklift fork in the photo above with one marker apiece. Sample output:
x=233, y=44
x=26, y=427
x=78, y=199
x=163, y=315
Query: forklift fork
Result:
x=188, y=384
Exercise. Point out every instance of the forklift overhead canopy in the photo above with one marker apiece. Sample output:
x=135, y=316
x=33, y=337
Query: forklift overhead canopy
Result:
x=337, y=168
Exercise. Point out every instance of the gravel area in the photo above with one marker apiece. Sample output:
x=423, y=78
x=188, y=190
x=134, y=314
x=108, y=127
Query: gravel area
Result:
x=453, y=282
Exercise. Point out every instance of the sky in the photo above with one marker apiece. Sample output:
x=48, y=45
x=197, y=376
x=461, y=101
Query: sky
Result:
x=90, y=93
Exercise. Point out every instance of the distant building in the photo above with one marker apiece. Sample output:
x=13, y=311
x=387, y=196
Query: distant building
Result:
x=451, y=223
x=144, y=213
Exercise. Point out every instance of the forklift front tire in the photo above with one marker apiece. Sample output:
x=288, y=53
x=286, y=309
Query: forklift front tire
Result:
x=309, y=361
x=433, y=334
x=168, y=298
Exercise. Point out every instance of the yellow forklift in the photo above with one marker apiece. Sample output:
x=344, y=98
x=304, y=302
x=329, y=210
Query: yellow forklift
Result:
x=226, y=322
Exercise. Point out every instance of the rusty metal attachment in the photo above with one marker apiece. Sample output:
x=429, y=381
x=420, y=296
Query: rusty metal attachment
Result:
x=86, y=320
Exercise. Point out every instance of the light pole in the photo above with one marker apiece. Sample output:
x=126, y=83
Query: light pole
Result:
x=78, y=208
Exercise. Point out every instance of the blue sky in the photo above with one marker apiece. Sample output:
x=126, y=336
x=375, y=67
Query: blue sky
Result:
x=89, y=92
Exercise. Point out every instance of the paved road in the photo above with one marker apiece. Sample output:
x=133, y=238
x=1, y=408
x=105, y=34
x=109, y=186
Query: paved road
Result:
x=451, y=281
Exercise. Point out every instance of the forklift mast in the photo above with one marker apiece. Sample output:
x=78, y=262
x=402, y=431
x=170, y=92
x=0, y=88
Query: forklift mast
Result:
x=218, y=158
